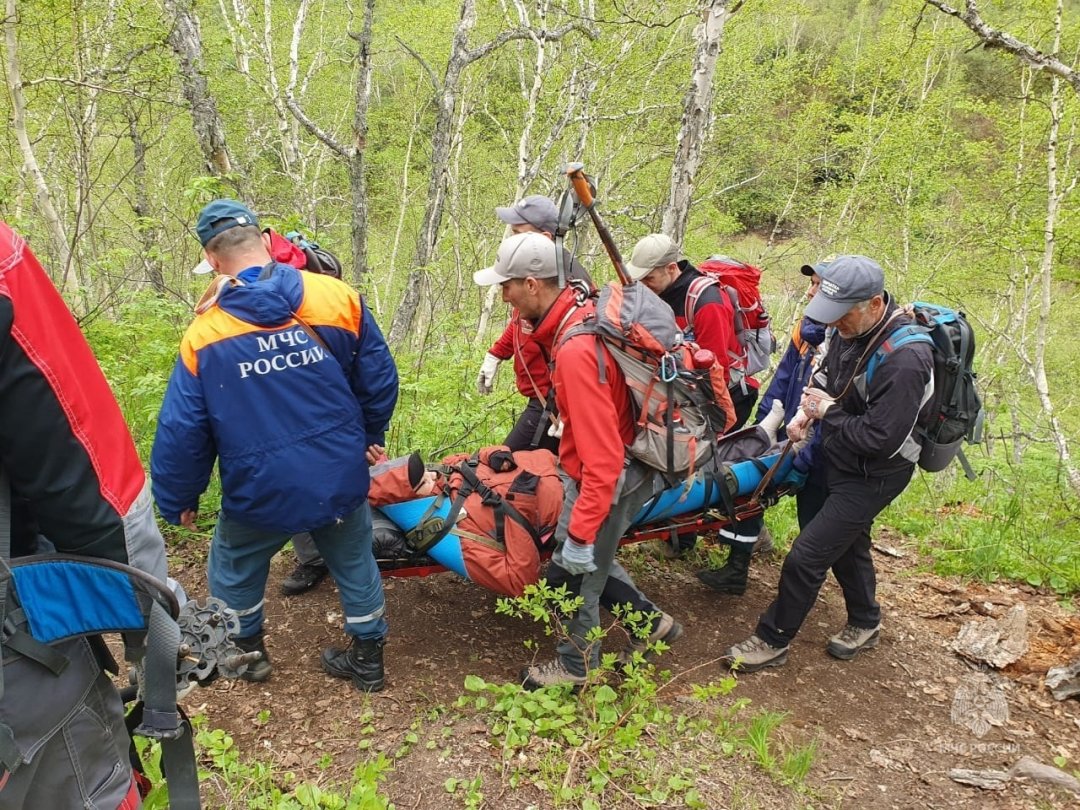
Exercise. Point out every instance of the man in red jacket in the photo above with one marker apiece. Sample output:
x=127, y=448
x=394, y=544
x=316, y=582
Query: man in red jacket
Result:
x=604, y=490
x=533, y=214
x=658, y=264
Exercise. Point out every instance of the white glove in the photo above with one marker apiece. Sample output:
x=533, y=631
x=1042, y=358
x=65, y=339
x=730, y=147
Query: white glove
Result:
x=485, y=380
x=555, y=430
x=773, y=420
x=574, y=557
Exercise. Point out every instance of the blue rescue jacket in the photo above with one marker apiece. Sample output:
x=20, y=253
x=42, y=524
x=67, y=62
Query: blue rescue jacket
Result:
x=792, y=375
x=288, y=422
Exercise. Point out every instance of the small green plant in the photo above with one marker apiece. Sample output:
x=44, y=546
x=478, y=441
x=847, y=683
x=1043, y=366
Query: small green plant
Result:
x=614, y=738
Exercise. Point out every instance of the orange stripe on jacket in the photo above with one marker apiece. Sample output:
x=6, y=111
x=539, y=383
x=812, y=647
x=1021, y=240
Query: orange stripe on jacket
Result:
x=330, y=302
x=213, y=326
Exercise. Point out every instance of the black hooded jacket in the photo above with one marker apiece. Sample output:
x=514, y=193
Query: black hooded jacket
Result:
x=868, y=432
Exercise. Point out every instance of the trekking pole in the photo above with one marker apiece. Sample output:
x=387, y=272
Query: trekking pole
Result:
x=580, y=182
x=769, y=474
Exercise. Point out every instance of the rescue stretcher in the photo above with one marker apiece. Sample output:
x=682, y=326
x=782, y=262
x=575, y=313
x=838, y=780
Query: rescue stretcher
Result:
x=701, y=505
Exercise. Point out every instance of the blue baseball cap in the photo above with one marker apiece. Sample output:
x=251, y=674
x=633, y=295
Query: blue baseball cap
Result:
x=221, y=215
x=845, y=282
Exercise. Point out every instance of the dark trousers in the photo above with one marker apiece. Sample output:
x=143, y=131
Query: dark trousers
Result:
x=836, y=537
x=524, y=432
x=619, y=590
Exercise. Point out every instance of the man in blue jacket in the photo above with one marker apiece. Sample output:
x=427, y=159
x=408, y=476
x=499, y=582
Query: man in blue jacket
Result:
x=285, y=378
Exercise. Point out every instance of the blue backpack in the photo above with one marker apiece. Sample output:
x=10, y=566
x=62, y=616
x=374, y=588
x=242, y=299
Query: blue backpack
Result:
x=955, y=411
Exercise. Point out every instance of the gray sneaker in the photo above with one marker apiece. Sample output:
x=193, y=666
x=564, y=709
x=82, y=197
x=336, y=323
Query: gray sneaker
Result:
x=755, y=653
x=549, y=673
x=852, y=640
x=667, y=630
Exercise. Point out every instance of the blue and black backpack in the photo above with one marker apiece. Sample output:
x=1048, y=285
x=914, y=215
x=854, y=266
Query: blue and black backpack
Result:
x=955, y=411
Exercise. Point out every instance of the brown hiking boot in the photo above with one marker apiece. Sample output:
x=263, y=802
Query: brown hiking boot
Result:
x=667, y=630
x=753, y=654
x=852, y=640
x=549, y=673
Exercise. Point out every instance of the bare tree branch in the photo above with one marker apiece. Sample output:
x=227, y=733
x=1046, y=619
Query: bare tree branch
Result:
x=481, y=51
x=435, y=83
x=320, y=133
x=1000, y=40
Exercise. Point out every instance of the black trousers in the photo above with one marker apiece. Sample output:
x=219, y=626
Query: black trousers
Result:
x=532, y=419
x=836, y=537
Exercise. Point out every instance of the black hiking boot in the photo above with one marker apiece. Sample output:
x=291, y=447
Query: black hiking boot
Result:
x=257, y=671
x=732, y=577
x=303, y=578
x=362, y=663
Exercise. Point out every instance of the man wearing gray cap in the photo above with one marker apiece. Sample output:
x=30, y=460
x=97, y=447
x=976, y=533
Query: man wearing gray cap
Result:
x=869, y=455
x=532, y=214
x=603, y=489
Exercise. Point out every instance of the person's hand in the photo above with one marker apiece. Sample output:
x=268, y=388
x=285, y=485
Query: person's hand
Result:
x=808, y=436
x=555, y=429
x=815, y=403
x=574, y=557
x=798, y=428
x=773, y=420
x=375, y=454
x=187, y=518
x=485, y=380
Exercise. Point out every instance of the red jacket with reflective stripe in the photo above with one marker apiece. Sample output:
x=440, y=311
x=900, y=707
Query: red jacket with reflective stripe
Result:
x=597, y=416
x=63, y=440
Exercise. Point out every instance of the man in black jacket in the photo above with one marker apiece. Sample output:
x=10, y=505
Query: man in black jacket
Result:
x=870, y=452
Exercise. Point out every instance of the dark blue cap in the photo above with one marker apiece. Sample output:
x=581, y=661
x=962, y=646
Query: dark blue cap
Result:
x=220, y=215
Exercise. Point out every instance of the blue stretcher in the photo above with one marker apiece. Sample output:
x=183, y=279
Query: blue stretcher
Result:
x=678, y=503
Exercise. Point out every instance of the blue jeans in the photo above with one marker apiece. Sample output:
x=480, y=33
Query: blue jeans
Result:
x=239, y=565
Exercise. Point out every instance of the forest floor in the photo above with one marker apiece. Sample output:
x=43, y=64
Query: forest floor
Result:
x=883, y=724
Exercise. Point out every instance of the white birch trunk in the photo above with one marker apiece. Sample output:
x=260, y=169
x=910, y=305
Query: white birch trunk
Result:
x=42, y=197
x=696, y=118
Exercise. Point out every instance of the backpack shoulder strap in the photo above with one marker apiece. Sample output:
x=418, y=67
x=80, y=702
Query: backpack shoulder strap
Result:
x=909, y=333
x=693, y=295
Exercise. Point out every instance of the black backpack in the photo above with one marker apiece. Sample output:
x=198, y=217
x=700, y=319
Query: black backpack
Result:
x=955, y=411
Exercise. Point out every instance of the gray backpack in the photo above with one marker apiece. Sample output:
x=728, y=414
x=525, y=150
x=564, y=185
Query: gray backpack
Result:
x=677, y=417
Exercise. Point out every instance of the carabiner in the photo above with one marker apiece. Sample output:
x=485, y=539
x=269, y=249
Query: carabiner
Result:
x=669, y=370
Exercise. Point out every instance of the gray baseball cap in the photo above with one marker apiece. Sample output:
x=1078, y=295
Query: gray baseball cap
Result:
x=520, y=256
x=810, y=269
x=655, y=250
x=536, y=210
x=845, y=282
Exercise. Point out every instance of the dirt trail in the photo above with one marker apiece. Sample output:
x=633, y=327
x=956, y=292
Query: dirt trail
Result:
x=883, y=722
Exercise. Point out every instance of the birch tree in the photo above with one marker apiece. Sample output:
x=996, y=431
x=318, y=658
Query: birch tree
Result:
x=696, y=116
x=353, y=154
x=43, y=198
x=186, y=42
x=445, y=101
x=1035, y=360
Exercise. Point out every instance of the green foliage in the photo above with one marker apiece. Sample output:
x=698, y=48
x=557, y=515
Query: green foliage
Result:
x=252, y=784
x=1011, y=523
x=616, y=737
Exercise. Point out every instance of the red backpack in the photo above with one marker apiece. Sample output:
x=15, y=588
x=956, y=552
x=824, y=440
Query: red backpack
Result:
x=741, y=283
